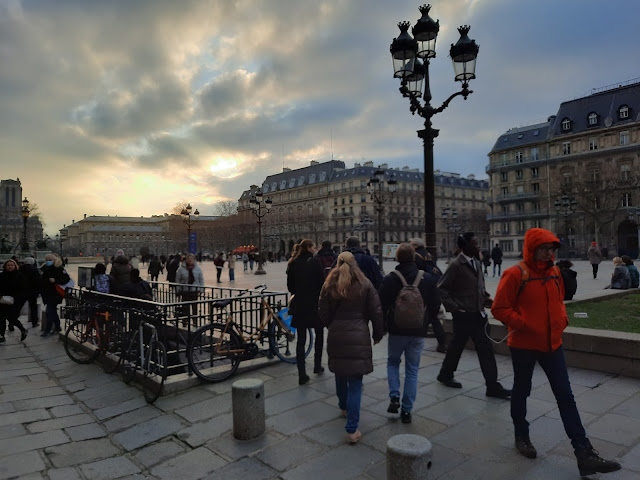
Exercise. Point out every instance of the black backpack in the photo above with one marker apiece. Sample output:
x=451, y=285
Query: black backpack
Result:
x=409, y=307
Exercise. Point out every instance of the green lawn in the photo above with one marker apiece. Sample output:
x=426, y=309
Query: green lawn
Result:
x=621, y=314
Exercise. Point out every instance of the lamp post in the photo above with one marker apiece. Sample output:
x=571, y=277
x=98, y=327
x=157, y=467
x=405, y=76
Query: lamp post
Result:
x=186, y=216
x=566, y=206
x=411, y=57
x=260, y=207
x=637, y=212
x=25, y=218
x=451, y=226
x=380, y=191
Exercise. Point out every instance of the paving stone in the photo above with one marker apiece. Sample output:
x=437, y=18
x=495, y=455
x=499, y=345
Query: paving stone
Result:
x=616, y=429
x=588, y=378
x=453, y=410
x=45, y=402
x=632, y=459
x=289, y=452
x=85, y=432
x=109, y=468
x=478, y=468
x=244, y=469
x=40, y=377
x=148, y=432
x=546, y=433
x=443, y=460
x=201, y=432
x=10, y=431
x=13, y=380
x=22, y=372
x=120, y=408
x=419, y=426
x=19, y=465
x=597, y=401
x=229, y=447
x=65, y=411
x=25, y=443
x=552, y=466
x=301, y=418
x=19, y=387
x=101, y=390
x=6, y=408
x=630, y=407
x=116, y=397
x=290, y=399
x=182, y=399
x=206, y=409
x=341, y=463
x=159, y=452
x=58, y=423
x=333, y=433
x=77, y=453
x=189, y=466
x=131, y=418
x=67, y=473
x=436, y=389
x=623, y=386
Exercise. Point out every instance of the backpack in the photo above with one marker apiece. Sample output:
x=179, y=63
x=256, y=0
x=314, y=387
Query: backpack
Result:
x=409, y=307
x=524, y=275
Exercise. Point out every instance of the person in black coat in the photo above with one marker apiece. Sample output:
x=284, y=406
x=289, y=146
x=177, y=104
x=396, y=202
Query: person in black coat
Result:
x=496, y=256
x=423, y=259
x=304, y=280
x=12, y=284
x=155, y=268
x=32, y=276
x=53, y=273
x=569, y=278
x=365, y=262
x=327, y=257
x=172, y=268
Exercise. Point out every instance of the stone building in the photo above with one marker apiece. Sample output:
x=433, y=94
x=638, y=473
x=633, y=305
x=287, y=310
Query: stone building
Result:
x=11, y=220
x=575, y=174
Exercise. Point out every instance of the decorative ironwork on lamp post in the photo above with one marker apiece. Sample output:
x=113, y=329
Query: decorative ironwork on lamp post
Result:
x=186, y=216
x=25, y=219
x=637, y=213
x=381, y=190
x=260, y=207
x=566, y=206
x=411, y=57
x=451, y=225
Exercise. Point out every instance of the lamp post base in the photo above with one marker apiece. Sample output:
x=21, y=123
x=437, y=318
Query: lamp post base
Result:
x=260, y=271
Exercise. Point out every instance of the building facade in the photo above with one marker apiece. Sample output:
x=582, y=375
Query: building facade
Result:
x=575, y=174
x=11, y=220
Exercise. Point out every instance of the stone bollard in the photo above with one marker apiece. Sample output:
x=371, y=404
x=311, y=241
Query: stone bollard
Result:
x=408, y=457
x=247, y=398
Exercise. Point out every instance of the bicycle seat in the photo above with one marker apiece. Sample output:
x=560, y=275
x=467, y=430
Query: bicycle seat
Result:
x=222, y=303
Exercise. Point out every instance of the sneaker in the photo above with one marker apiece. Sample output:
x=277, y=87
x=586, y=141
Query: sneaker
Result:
x=590, y=462
x=2, y=339
x=405, y=416
x=23, y=335
x=394, y=405
x=525, y=447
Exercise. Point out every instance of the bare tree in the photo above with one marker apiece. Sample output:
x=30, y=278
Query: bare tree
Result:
x=225, y=209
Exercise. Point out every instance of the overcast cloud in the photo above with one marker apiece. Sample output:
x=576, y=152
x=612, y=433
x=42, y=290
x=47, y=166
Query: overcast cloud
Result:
x=127, y=107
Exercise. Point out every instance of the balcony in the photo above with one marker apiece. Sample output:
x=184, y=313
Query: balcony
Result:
x=510, y=164
x=342, y=215
x=518, y=215
x=510, y=197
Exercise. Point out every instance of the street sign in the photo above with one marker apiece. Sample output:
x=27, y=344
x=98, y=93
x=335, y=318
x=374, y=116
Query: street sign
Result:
x=193, y=241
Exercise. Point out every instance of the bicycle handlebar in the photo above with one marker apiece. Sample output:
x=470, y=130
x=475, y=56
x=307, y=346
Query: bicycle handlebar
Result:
x=261, y=288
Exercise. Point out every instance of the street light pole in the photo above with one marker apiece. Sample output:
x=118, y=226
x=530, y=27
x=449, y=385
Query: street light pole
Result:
x=451, y=226
x=381, y=191
x=411, y=57
x=25, y=219
x=260, y=208
x=637, y=212
x=566, y=206
x=186, y=216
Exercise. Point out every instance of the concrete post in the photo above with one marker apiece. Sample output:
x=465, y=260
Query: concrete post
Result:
x=408, y=457
x=247, y=397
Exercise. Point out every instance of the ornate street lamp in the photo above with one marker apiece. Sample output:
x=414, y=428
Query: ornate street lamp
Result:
x=381, y=190
x=260, y=207
x=566, y=206
x=25, y=219
x=186, y=216
x=411, y=57
x=451, y=226
x=637, y=212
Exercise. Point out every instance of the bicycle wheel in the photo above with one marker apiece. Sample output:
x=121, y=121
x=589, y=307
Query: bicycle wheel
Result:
x=131, y=359
x=284, y=345
x=207, y=357
x=81, y=342
x=113, y=343
x=155, y=372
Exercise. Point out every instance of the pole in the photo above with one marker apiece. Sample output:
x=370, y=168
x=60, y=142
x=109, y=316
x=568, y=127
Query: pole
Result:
x=260, y=270
x=25, y=245
x=380, y=235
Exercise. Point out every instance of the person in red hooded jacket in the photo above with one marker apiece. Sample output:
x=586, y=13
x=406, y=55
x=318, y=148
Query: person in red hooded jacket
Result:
x=536, y=317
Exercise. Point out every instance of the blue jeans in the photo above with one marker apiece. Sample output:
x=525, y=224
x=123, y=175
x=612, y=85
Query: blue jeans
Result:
x=412, y=348
x=53, y=320
x=499, y=265
x=349, y=391
x=554, y=366
x=232, y=274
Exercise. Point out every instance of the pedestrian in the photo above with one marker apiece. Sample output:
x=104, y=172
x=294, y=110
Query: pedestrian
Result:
x=348, y=302
x=120, y=271
x=136, y=287
x=189, y=277
x=633, y=271
x=620, y=278
x=463, y=294
x=13, y=289
x=327, y=257
x=252, y=259
x=219, y=263
x=402, y=340
x=245, y=261
x=172, y=267
x=53, y=274
x=134, y=261
x=496, y=256
x=366, y=263
x=102, y=280
x=32, y=276
x=485, y=258
x=536, y=317
x=304, y=280
x=154, y=269
x=231, y=263
x=595, y=257
x=569, y=278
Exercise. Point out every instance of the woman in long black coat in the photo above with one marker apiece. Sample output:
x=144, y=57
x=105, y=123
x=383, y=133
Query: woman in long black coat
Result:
x=12, y=284
x=53, y=273
x=305, y=277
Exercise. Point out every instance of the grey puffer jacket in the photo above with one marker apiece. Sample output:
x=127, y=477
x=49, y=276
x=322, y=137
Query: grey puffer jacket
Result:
x=347, y=321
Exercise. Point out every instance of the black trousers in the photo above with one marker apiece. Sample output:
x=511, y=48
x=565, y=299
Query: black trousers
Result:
x=470, y=325
x=594, y=266
x=300, y=348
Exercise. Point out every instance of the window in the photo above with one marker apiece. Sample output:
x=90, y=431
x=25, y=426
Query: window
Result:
x=505, y=191
x=520, y=208
x=534, y=154
x=503, y=158
x=520, y=189
x=535, y=172
x=342, y=200
x=292, y=182
x=363, y=199
x=566, y=179
x=625, y=171
x=537, y=224
x=593, y=119
x=521, y=226
x=505, y=210
x=623, y=112
x=624, y=138
x=506, y=245
x=504, y=176
x=518, y=174
x=363, y=209
x=626, y=200
x=536, y=207
x=518, y=157
x=593, y=143
x=566, y=148
x=350, y=198
x=505, y=228
x=595, y=175
x=566, y=124
x=535, y=187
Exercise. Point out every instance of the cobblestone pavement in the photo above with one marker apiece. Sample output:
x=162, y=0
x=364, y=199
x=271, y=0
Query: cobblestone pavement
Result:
x=61, y=420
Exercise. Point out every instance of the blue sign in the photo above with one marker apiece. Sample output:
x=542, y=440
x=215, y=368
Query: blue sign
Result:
x=193, y=240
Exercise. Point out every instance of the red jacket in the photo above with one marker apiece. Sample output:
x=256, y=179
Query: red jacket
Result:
x=536, y=317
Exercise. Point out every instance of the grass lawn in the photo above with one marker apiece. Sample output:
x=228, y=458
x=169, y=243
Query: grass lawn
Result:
x=621, y=314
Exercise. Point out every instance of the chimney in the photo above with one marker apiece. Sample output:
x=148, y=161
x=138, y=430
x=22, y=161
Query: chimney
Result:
x=85, y=215
x=368, y=163
x=384, y=166
x=314, y=162
x=285, y=169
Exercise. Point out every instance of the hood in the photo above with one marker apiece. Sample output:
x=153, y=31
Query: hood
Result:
x=534, y=238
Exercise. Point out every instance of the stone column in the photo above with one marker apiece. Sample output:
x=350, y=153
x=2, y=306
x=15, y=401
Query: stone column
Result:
x=408, y=457
x=247, y=397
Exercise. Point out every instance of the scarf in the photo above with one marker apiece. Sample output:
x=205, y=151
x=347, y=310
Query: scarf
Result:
x=192, y=279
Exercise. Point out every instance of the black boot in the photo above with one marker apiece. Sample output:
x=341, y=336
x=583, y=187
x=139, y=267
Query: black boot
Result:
x=590, y=462
x=302, y=375
x=525, y=447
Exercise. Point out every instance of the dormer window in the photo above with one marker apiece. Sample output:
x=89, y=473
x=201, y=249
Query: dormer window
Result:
x=593, y=119
x=292, y=182
x=301, y=180
x=566, y=124
x=623, y=112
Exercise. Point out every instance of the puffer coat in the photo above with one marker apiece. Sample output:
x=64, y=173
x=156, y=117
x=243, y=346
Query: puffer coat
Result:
x=347, y=321
x=305, y=277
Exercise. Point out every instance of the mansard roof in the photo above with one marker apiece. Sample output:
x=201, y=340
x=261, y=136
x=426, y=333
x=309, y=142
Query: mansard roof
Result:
x=522, y=137
x=315, y=173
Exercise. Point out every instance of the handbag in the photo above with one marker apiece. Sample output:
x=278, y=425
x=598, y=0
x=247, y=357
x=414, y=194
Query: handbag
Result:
x=6, y=300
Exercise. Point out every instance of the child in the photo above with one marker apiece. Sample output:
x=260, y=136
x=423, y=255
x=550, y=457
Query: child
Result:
x=569, y=278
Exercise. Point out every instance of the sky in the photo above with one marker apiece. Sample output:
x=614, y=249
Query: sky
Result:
x=128, y=107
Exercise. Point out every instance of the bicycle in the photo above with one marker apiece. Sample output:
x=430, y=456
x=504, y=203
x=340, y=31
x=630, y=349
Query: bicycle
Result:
x=92, y=331
x=216, y=349
x=150, y=356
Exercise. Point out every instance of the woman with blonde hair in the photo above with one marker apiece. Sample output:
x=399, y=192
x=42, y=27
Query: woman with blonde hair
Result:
x=53, y=273
x=348, y=302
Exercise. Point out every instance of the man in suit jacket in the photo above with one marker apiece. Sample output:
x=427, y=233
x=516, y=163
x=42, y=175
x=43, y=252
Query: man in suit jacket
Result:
x=463, y=294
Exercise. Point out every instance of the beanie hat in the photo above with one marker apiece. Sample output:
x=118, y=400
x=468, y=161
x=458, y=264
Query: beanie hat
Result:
x=594, y=244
